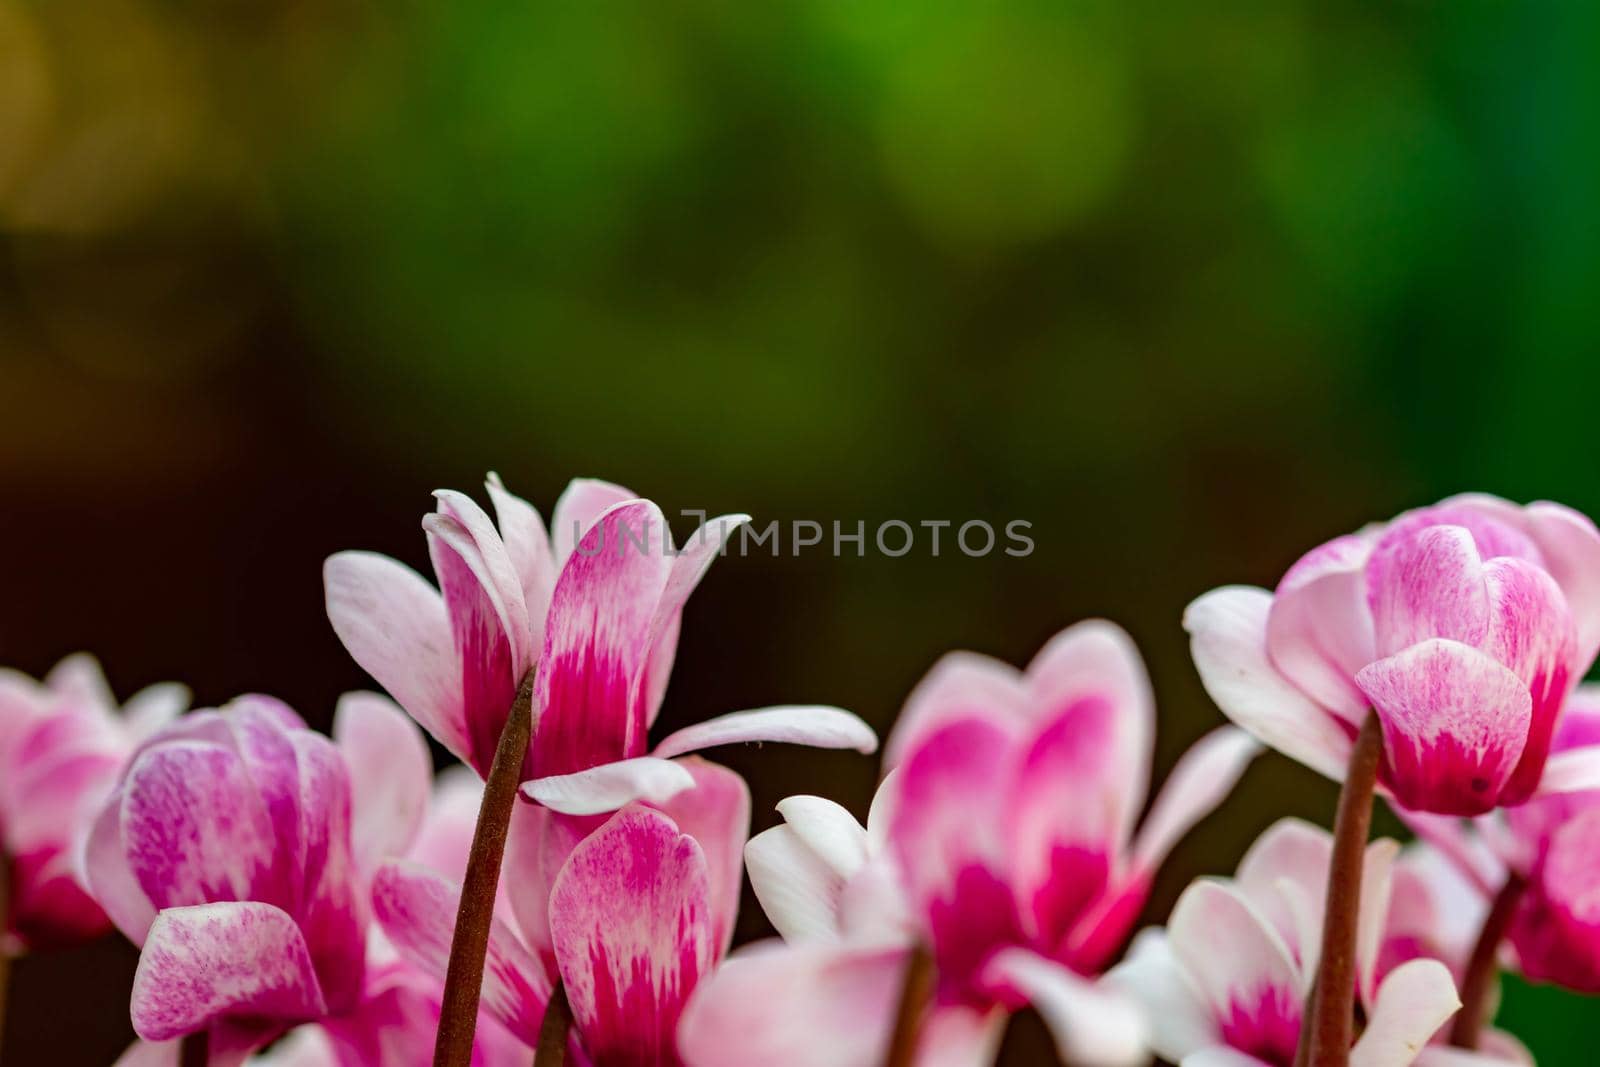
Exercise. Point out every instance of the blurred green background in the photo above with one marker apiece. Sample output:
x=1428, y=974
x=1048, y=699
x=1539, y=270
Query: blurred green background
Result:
x=1188, y=286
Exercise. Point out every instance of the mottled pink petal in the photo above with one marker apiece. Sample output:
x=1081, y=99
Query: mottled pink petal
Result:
x=818, y=726
x=394, y=624
x=1427, y=583
x=794, y=1006
x=528, y=547
x=196, y=831
x=1454, y=725
x=960, y=685
x=693, y=560
x=417, y=909
x=1414, y=1001
x=715, y=811
x=589, y=689
x=1531, y=633
x=610, y=786
x=1241, y=968
x=578, y=508
x=1319, y=631
x=481, y=625
x=498, y=569
x=332, y=910
x=1228, y=638
x=949, y=834
x=390, y=776
x=1570, y=546
x=1201, y=780
x=203, y=963
x=633, y=934
x=1093, y=1025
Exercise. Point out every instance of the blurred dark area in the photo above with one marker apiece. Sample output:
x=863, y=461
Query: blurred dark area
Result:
x=1189, y=287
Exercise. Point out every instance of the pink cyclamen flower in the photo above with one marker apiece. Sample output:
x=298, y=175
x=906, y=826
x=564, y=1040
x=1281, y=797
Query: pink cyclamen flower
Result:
x=592, y=609
x=1004, y=838
x=62, y=744
x=1551, y=845
x=638, y=912
x=1226, y=981
x=231, y=852
x=1463, y=626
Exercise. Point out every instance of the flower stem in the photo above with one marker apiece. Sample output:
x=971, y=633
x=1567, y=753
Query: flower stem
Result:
x=1329, y=1026
x=195, y=1050
x=458, y=1017
x=1477, y=989
x=553, y=1029
x=915, y=992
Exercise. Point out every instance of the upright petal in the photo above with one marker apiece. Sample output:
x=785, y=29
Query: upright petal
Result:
x=498, y=568
x=798, y=891
x=332, y=909
x=630, y=919
x=1292, y=853
x=109, y=877
x=1414, y=1001
x=528, y=548
x=589, y=689
x=960, y=685
x=1201, y=780
x=578, y=508
x=1228, y=639
x=1531, y=632
x=1454, y=725
x=794, y=1006
x=715, y=811
x=394, y=624
x=1241, y=968
x=949, y=835
x=417, y=909
x=827, y=830
x=1426, y=583
x=390, y=776
x=1556, y=931
x=206, y=962
x=818, y=726
x=1319, y=631
x=481, y=626
x=1570, y=546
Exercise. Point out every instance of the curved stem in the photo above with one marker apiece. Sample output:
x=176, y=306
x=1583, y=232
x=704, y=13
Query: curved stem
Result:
x=914, y=995
x=195, y=1050
x=553, y=1029
x=1329, y=1025
x=458, y=1017
x=1477, y=989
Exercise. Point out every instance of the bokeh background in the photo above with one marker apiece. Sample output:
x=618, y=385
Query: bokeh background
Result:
x=1189, y=286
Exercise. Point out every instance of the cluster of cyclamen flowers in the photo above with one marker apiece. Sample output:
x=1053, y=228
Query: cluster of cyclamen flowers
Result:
x=570, y=892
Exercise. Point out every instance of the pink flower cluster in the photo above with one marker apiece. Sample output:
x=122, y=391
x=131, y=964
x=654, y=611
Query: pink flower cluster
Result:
x=300, y=899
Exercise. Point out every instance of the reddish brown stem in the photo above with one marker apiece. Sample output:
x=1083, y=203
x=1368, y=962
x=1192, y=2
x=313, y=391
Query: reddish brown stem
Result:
x=553, y=1029
x=458, y=1017
x=195, y=1050
x=1329, y=1026
x=915, y=992
x=1477, y=989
